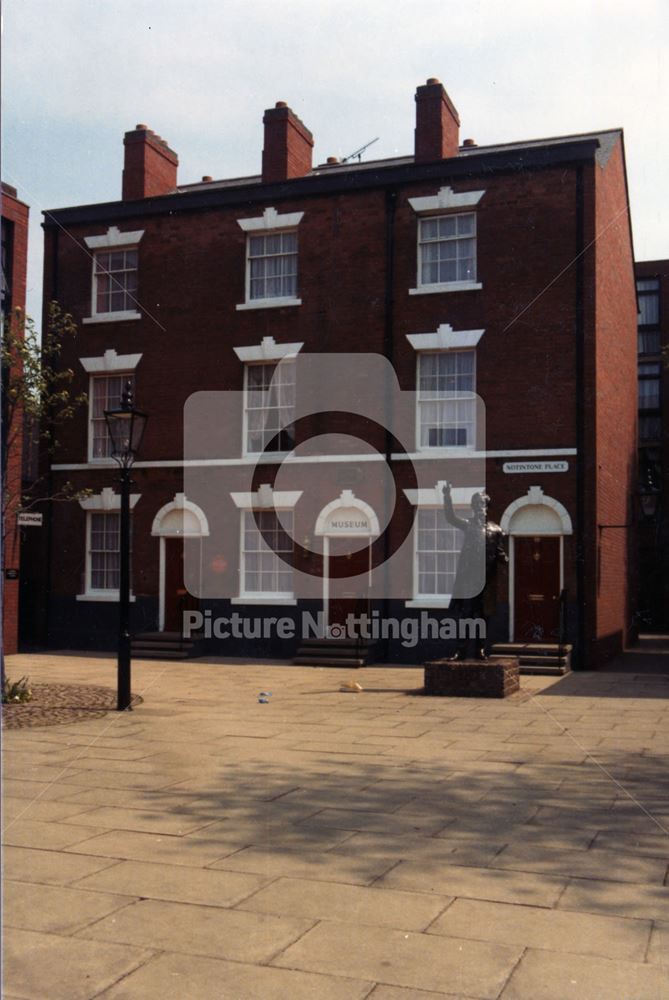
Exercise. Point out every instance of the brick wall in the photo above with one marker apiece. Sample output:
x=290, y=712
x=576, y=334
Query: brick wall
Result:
x=14, y=212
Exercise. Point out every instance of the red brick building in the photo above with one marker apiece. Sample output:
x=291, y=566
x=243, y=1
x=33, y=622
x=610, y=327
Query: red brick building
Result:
x=504, y=271
x=653, y=294
x=14, y=264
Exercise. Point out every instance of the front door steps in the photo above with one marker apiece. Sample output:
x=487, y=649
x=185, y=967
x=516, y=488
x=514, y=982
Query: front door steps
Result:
x=161, y=646
x=537, y=658
x=334, y=653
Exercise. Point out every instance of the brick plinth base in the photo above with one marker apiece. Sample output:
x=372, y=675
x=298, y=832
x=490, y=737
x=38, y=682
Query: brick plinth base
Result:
x=496, y=678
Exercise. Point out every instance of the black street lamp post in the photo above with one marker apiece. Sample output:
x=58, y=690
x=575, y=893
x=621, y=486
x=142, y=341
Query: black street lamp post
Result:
x=126, y=429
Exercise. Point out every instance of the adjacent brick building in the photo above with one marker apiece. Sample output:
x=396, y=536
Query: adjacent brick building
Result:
x=502, y=270
x=653, y=294
x=14, y=263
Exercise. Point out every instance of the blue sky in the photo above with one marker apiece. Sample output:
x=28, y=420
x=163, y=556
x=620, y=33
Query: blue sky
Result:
x=78, y=73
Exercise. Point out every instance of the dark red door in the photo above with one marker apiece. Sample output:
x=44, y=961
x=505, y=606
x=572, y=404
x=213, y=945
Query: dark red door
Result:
x=349, y=592
x=177, y=597
x=537, y=589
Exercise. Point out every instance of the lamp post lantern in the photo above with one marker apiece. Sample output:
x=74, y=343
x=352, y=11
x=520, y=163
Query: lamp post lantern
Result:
x=126, y=429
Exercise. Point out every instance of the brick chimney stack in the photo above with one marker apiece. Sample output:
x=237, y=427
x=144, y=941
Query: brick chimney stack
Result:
x=288, y=145
x=150, y=166
x=437, y=123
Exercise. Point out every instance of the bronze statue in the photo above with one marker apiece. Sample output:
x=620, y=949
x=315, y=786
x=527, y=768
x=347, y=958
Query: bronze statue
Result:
x=475, y=587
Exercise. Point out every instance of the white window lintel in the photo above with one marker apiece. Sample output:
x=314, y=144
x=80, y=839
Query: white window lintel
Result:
x=444, y=339
x=271, y=219
x=266, y=498
x=114, y=239
x=107, y=500
x=434, y=496
x=267, y=350
x=109, y=362
x=445, y=199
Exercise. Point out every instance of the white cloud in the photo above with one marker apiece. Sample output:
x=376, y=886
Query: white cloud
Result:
x=78, y=73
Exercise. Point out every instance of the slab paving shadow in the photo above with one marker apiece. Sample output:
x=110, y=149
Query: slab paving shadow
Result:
x=340, y=846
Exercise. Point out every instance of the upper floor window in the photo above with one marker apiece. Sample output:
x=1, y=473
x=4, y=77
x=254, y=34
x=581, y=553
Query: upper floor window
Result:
x=271, y=259
x=447, y=239
x=446, y=399
x=105, y=394
x=269, y=407
x=115, y=269
x=447, y=249
x=649, y=385
x=114, y=281
x=648, y=292
x=648, y=295
x=272, y=266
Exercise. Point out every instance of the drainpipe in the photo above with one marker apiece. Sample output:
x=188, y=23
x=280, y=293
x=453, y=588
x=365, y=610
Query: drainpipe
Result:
x=580, y=421
x=388, y=351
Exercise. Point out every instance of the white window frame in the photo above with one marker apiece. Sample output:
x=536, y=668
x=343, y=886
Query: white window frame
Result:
x=270, y=223
x=445, y=203
x=245, y=451
x=106, y=459
x=445, y=449
x=105, y=502
x=262, y=596
x=419, y=599
x=112, y=240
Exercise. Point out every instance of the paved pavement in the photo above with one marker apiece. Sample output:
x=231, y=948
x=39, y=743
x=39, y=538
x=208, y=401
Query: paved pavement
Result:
x=336, y=846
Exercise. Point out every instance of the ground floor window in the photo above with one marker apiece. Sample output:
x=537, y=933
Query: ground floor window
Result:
x=266, y=540
x=437, y=546
x=103, y=563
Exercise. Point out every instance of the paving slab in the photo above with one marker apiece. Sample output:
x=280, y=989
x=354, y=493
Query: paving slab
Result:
x=181, y=977
x=646, y=902
x=175, y=882
x=53, y=967
x=26, y=864
x=549, y=929
x=543, y=975
x=475, y=883
x=403, y=959
x=199, y=930
x=458, y=835
x=347, y=903
x=56, y=908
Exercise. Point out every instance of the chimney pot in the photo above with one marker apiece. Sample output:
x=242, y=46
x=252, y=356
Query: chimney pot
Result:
x=332, y=159
x=287, y=147
x=432, y=80
x=437, y=134
x=469, y=142
x=149, y=165
x=206, y=177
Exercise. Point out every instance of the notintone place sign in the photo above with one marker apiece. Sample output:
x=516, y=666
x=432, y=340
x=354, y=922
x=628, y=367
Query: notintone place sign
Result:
x=535, y=466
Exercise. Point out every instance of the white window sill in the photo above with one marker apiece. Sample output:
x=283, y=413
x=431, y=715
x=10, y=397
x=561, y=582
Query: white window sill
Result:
x=268, y=457
x=268, y=303
x=429, y=602
x=450, y=286
x=105, y=596
x=112, y=317
x=265, y=599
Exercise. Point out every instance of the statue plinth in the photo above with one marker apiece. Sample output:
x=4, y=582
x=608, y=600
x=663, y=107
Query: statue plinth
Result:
x=496, y=678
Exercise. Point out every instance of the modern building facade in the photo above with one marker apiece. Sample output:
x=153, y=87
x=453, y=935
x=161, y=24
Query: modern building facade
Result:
x=496, y=283
x=14, y=265
x=652, y=281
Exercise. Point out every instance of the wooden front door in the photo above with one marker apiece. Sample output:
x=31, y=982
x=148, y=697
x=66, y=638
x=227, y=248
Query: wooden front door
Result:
x=348, y=595
x=177, y=597
x=537, y=589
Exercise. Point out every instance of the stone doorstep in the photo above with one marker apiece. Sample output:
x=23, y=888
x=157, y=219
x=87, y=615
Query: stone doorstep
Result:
x=496, y=678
